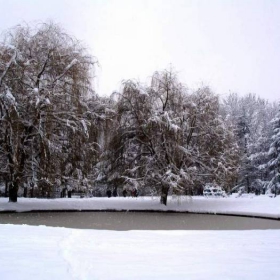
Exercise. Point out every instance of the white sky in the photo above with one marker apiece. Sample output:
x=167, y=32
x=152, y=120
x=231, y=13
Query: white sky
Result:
x=230, y=45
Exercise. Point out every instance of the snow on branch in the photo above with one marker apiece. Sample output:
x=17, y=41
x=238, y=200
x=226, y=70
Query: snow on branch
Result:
x=8, y=65
x=69, y=66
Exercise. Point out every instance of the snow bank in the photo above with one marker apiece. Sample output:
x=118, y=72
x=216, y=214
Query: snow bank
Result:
x=259, y=206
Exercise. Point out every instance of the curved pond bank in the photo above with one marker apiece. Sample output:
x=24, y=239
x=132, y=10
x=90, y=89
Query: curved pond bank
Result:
x=138, y=221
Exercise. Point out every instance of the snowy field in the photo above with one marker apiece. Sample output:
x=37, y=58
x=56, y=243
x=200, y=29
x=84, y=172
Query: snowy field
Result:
x=28, y=252
x=40, y=252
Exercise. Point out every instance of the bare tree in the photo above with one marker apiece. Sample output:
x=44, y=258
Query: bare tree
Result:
x=44, y=77
x=169, y=139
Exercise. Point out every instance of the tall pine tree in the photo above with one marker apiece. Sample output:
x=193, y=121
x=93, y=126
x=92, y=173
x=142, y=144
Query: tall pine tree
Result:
x=274, y=154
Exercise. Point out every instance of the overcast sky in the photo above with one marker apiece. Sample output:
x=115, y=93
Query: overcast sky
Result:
x=232, y=46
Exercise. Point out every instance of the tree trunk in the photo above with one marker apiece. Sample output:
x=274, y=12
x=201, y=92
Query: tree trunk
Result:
x=164, y=193
x=13, y=190
x=25, y=192
x=248, y=185
x=32, y=191
x=6, y=188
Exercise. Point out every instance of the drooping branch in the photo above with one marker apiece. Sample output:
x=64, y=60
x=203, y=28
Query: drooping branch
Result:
x=8, y=65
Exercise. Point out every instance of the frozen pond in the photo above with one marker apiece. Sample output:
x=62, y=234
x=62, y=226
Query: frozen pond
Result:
x=138, y=221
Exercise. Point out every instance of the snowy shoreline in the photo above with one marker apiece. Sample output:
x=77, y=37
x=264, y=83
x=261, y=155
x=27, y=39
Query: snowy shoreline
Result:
x=248, y=206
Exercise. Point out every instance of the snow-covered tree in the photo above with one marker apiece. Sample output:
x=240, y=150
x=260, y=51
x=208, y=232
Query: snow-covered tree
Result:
x=44, y=77
x=251, y=116
x=274, y=156
x=169, y=139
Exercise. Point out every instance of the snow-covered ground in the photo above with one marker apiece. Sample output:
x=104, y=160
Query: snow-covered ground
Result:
x=262, y=206
x=39, y=252
x=28, y=252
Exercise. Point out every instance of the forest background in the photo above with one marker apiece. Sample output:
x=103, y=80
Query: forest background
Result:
x=159, y=137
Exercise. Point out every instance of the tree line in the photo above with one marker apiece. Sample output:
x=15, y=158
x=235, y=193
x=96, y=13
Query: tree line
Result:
x=158, y=138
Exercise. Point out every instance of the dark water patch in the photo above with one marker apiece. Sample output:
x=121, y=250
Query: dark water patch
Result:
x=138, y=221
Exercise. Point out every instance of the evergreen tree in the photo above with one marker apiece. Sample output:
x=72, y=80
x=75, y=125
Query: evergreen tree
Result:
x=274, y=154
x=251, y=118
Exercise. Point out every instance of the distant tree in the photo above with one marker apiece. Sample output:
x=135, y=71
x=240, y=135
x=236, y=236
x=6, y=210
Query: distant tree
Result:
x=274, y=156
x=216, y=144
x=250, y=117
